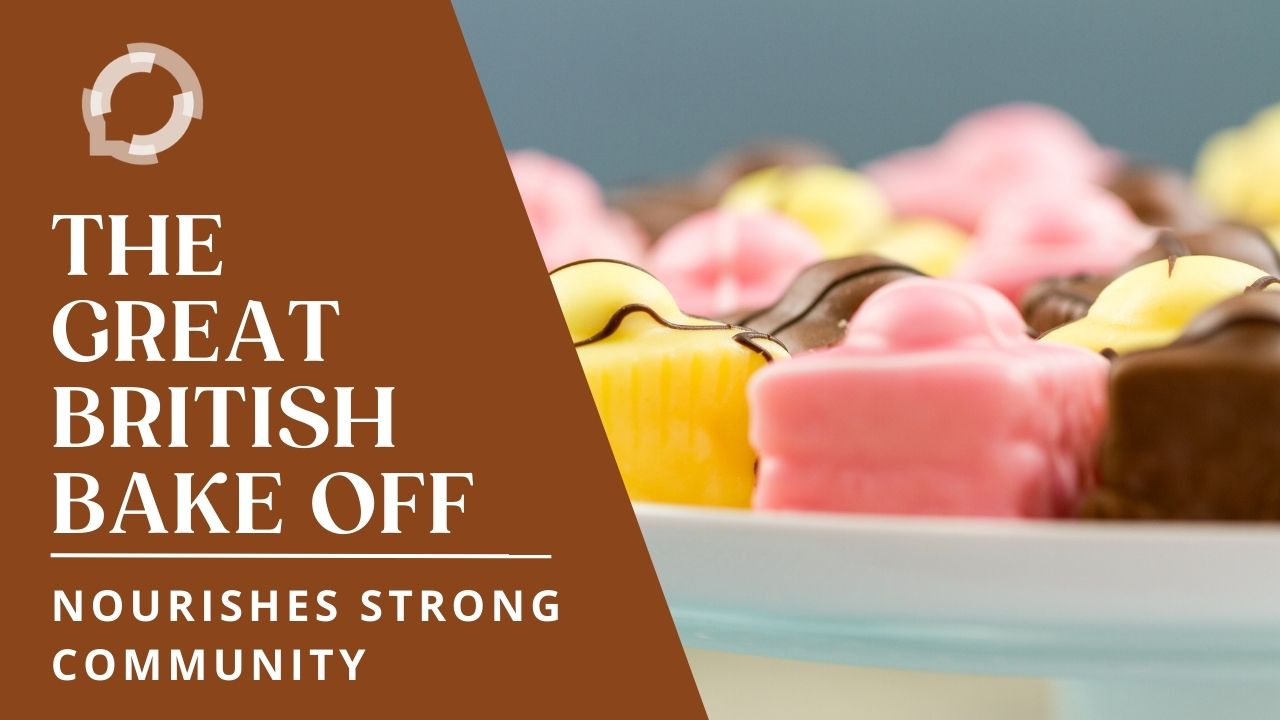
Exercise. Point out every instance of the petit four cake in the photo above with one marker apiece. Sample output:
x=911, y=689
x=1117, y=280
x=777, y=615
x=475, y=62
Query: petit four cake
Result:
x=935, y=403
x=1194, y=432
x=986, y=155
x=722, y=261
x=1160, y=197
x=1047, y=231
x=841, y=208
x=670, y=388
x=729, y=167
x=567, y=212
x=1238, y=171
x=933, y=246
x=658, y=206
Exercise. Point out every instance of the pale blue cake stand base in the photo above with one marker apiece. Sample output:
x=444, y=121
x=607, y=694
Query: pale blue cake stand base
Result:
x=1099, y=673
x=1131, y=621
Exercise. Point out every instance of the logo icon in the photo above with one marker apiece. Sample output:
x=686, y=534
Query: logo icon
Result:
x=96, y=103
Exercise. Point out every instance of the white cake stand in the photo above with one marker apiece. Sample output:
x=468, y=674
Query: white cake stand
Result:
x=1132, y=621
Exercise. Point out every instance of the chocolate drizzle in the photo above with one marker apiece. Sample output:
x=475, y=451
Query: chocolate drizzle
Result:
x=1262, y=283
x=1233, y=241
x=1172, y=244
x=833, y=284
x=814, y=311
x=746, y=338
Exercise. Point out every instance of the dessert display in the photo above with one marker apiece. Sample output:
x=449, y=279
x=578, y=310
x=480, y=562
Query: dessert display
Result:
x=1150, y=305
x=841, y=208
x=670, y=388
x=1209, y=450
x=1011, y=424
x=722, y=261
x=1016, y=321
x=814, y=311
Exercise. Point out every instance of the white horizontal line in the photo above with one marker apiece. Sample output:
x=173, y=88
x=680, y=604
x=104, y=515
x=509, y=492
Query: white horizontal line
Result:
x=291, y=556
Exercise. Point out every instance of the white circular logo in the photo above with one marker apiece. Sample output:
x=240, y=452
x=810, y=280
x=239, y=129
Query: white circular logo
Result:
x=96, y=103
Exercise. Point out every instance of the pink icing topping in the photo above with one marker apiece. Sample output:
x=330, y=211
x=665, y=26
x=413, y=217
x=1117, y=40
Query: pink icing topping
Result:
x=567, y=211
x=723, y=260
x=1049, y=230
x=987, y=154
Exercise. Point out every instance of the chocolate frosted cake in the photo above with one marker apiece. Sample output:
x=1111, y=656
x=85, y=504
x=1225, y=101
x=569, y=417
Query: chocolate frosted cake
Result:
x=1194, y=432
x=1057, y=301
x=1159, y=196
x=657, y=207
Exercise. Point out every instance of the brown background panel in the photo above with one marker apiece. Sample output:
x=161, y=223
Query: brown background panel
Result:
x=352, y=157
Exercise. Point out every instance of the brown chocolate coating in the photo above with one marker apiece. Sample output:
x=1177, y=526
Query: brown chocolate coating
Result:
x=1058, y=301
x=659, y=206
x=656, y=207
x=814, y=312
x=1159, y=196
x=1194, y=432
x=731, y=166
x=1235, y=242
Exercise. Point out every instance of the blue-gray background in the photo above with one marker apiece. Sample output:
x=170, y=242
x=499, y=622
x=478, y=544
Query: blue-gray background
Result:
x=635, y=89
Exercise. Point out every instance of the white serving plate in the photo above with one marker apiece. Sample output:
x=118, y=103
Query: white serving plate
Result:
x=1066, y=599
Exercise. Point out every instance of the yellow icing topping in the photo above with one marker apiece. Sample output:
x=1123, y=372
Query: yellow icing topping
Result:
x=844, y=210
x=590, y=293
x=930, y=246
x=1150, y=305
x=1238, y=171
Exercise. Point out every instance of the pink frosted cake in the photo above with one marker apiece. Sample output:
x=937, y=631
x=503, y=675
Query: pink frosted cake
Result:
x=722, y=261
x=1049, y=231
x=987, y=154
x=567, y=212
x=936, y=403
